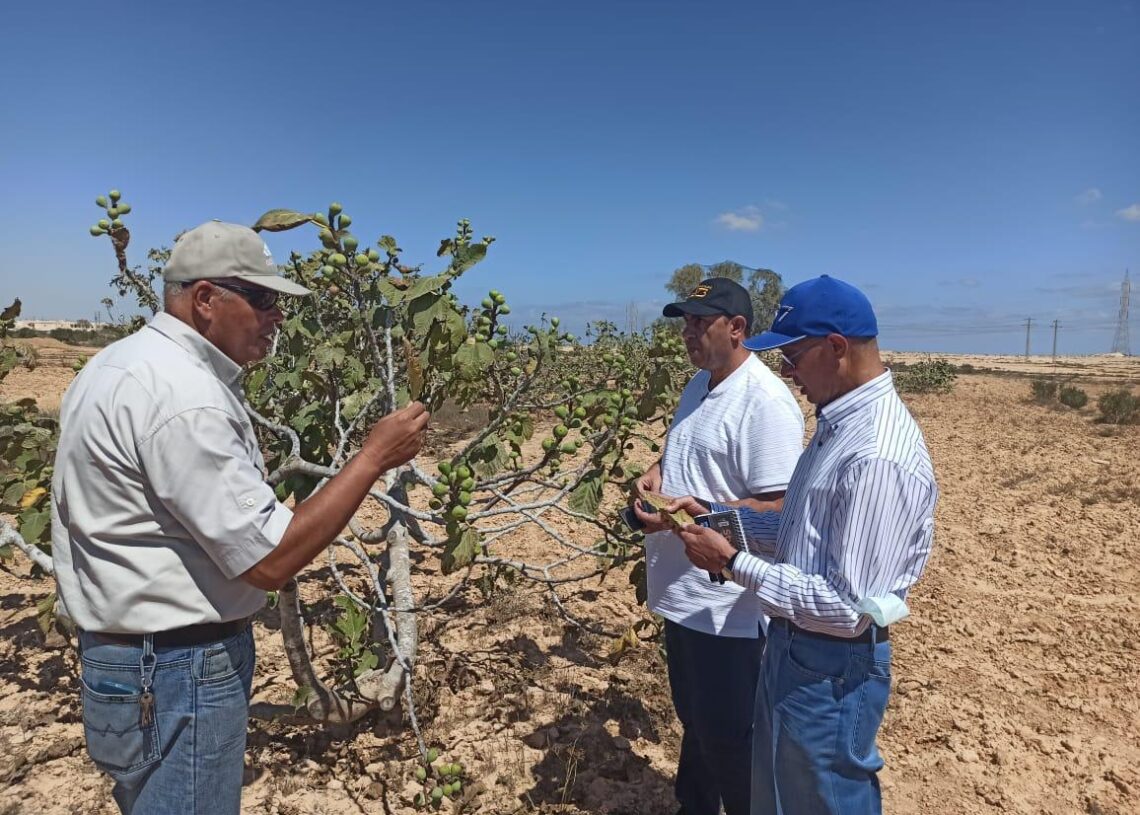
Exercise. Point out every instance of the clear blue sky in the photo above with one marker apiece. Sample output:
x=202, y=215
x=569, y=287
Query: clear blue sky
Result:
x=969, y=164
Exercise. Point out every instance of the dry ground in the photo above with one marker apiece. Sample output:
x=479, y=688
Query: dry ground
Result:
x=1014, y=684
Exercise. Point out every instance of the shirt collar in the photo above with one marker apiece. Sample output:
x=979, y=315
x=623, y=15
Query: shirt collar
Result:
x=224, y=368
x=854, y=400
x=722, y=386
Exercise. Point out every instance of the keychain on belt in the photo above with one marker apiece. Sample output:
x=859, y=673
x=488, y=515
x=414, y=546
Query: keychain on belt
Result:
x=147, y=663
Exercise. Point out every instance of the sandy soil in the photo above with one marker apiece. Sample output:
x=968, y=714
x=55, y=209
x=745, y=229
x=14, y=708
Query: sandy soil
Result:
x=1014, y=682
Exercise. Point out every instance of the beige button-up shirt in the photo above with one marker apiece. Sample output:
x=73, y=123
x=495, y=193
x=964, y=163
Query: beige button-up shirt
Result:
x=159, y=501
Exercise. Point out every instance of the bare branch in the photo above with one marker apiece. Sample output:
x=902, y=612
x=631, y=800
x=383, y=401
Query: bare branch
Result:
x=38, y=556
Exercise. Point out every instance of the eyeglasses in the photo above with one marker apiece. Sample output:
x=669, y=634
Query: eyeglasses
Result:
x=789, y=362
x=260, y=298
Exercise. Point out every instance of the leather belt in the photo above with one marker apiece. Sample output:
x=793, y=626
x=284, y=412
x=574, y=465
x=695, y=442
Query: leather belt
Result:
x=881, y=634
x=188, y=635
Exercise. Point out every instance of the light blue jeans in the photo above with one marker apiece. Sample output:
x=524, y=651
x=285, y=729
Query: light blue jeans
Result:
x=818, y=708
x=187, y=758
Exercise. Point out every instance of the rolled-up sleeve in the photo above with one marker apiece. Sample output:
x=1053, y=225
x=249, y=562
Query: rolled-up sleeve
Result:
x=199, y=467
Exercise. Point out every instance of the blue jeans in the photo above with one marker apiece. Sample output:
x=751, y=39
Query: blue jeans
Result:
x=186, y=758
x=713, y=681
x=818, y=709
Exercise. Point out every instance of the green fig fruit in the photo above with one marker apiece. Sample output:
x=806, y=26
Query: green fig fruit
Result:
x=465, y=498
x=113, y=212
x=373, y=255
x=445, y=467
x=560, y=431
x=320, y=218
x=421, y=774
x=362, y=260
x=338, y=260
x=96, y=230
x=439, y=490
x=344, y=223
x=104, y=223
x=504, y=309
x=487, y=303
x=115, y=195
x=554, y=321
x=463, y=472
x=116, y=224
x=432, y=753
x=458, y=513
x=101, y=201
x=335, y=208
x=467, y=484
x=124, y=209
x=350, y=242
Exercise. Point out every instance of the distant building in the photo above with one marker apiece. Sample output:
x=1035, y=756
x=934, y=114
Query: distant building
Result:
x=49, y=325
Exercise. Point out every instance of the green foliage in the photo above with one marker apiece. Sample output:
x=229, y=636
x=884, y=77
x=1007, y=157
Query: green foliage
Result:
x=1118, y=407
x=352, y=631
x=1043, y=391
x=927, y=376
x=27, y=450
x=1072, y=396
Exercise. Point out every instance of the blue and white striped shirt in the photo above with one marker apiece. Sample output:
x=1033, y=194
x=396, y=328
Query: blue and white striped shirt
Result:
x=857, y=520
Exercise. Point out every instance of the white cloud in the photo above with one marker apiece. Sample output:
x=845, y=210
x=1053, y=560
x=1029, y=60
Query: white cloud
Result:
x=748, y=219
x=1089, y=196
x=1131, y=213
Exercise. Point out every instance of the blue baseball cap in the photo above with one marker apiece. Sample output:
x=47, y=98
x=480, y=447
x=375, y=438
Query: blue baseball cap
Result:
x=816, y=308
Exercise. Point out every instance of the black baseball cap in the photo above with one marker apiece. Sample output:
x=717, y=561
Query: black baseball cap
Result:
x=717, y=295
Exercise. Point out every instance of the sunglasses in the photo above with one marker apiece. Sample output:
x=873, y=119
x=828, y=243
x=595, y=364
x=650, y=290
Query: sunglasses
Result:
x=260, y=298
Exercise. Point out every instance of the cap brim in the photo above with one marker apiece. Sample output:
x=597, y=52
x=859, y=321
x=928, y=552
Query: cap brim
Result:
x=275, y=282
x=769, y=340
x=699, y=309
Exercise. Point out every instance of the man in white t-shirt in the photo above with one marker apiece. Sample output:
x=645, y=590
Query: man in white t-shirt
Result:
x=737, y=433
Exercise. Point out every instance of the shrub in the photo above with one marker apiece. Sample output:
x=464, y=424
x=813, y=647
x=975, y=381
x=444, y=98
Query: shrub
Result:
x=1043, y=390
x=1072, y=396
x=928, y=376
x=1119, y=407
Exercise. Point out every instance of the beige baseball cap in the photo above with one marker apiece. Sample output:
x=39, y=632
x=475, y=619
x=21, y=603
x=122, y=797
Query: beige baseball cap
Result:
x=216, y=250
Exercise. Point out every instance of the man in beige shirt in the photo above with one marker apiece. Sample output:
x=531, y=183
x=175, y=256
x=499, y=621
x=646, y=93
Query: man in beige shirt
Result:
x=165, y=536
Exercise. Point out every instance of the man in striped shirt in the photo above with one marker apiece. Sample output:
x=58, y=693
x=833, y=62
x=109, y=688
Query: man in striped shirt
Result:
x=835, y=564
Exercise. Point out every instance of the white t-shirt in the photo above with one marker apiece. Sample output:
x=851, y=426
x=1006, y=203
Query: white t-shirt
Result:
x=740, y=439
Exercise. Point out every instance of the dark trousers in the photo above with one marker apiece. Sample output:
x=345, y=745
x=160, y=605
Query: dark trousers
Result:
x=713, y=680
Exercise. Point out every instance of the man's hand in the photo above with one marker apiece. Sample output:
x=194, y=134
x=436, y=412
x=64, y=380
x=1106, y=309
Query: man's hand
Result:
x=706, y=549
x=689, y=504
x=651, y=481
x=396, y=438
x=653, y=521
